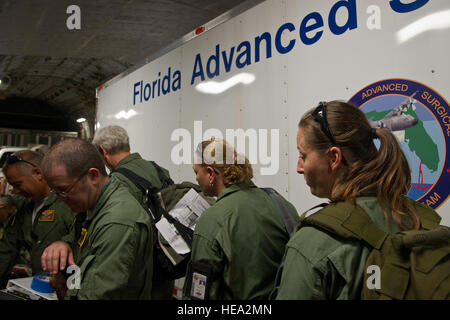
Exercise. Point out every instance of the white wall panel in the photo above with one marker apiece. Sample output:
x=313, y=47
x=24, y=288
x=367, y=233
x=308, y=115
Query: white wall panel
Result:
x=286, y=85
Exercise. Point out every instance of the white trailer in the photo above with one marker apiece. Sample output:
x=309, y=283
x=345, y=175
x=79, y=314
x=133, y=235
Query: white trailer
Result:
x=256, y=69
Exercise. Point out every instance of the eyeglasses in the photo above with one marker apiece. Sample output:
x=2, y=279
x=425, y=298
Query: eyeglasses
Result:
x=320, y=115
x=12, y=158
x=64, y=194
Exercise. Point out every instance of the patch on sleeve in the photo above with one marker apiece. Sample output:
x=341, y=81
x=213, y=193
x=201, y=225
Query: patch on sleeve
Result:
x=82, y=237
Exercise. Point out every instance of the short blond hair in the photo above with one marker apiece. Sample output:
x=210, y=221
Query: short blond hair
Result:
x=222, y=156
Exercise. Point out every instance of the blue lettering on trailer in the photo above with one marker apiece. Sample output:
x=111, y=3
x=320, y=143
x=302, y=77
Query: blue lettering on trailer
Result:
x=310, y=31
x=144, y=92
x=400, y=7
x=311, y=22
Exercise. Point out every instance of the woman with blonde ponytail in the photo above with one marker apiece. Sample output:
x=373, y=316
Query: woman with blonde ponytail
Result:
x=239, y=241
x=339, y=161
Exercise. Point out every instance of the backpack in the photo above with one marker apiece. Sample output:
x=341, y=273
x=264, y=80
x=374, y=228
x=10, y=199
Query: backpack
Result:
x=166, y=260
x=166, y=256
x=413, y=264
x=290, y=228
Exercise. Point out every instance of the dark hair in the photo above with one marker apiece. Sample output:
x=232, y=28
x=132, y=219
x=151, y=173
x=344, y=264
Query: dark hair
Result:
x=76, y=155
x=385, y=170
x=221, y=156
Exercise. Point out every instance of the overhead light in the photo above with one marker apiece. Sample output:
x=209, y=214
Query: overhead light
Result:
x=436, y=21
x=5, y=81
x=214, y=87
x=81, y=120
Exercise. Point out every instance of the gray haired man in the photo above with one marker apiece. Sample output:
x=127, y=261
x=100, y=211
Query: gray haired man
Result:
x=114, y=144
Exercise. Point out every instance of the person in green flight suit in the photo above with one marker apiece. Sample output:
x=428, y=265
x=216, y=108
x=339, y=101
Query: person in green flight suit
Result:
x=339, y=161
x=239, y=241
x=113, y=243
x=40, y=220
x=114, y=144
x=7, y=209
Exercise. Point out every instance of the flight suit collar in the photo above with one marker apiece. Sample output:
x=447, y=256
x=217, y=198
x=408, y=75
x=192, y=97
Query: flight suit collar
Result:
x=51, y=199
x=234, y=188
x=106, y=192
x=371, y=192
x=129, y=158
x=30, y=228
x=48, y=202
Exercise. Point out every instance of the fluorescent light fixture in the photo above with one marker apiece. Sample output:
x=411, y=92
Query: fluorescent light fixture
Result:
x=436, y=21
x=80, y=120
x=214, y=87
x=125, y=115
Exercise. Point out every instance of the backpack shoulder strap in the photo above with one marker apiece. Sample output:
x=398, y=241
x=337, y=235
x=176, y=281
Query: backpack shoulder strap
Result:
x=347, y=221
x=143, y=184
x=164, y=178
x=429, y=219
x=289, y=221
x=148, y=189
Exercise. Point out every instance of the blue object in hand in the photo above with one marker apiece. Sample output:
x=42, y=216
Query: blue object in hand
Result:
x=41, y=283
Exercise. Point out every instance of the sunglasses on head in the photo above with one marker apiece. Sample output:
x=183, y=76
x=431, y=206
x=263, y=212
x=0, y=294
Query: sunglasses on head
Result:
x=320, y=115
x=12, y=158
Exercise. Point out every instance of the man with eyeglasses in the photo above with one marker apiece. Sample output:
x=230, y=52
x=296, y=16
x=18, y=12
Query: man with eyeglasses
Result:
x=40, y=219
x=113, y=237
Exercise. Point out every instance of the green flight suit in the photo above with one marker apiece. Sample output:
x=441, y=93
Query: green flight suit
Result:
x=9, y=251
x=162, y=288
x=141, y=167
x=320, y=266
x=241, y=239
x=115, y=252
x=51, y=223
x=10, y=242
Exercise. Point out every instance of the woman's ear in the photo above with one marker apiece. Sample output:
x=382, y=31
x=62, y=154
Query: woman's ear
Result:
x=211, y=173
x=335, y=155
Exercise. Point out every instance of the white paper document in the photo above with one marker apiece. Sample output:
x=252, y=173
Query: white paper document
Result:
x=186, y=211
x=170, y=233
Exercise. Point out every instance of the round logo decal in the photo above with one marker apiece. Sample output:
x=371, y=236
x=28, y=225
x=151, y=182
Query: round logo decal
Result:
x=420, y=119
